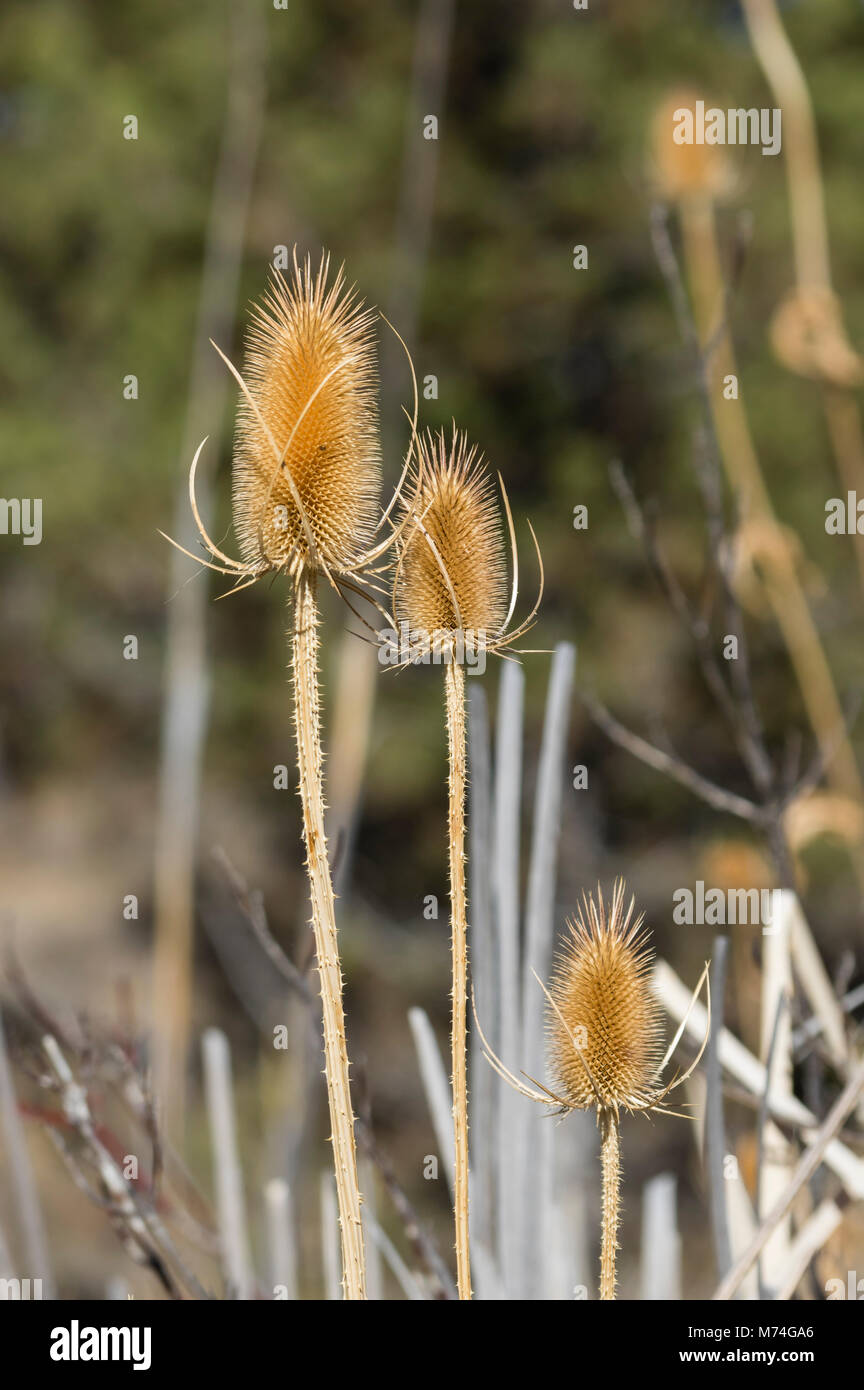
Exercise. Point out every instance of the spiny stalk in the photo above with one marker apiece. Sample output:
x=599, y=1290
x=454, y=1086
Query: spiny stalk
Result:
x=450, y=590
x=306, y=476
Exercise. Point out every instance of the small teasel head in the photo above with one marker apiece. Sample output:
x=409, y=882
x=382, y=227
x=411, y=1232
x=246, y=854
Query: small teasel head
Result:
x=450, y=578
x=307, y=462
x=685, y=168
x=604, y=1023
x=452, y=571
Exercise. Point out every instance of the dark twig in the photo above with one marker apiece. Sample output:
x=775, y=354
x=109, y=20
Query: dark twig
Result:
x=823, y=756
x=747, y=722
x=251, y=904
x=740, y=722
x=717, y=797
x=415, y=1233
x=143, y=1234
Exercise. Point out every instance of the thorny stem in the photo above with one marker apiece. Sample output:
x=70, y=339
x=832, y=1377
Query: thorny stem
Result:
x=610, y=1158
x=309, y=763
x=454, y=682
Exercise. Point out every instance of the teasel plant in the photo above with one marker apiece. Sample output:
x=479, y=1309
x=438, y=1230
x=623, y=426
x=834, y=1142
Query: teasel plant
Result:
x=604, y=1028
x=450, y=598
x=306, y=476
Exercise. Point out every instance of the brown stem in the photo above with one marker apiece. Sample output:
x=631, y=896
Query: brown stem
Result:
x=780, y=577
x=454, y=681
x=610, y=1158
x=309, y=762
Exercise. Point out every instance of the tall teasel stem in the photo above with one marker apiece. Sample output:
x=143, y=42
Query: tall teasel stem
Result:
x=309, y=762
x=454, y=684
x=450, y=590
x=610, y=1161
x=306, y=477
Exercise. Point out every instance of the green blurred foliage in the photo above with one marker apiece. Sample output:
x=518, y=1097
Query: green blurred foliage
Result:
x=544, y=138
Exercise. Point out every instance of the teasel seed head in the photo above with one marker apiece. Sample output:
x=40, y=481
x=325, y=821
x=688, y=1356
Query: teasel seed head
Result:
x=310, y=374
x=687, y=170
x=604, y=1024
x=452, y=569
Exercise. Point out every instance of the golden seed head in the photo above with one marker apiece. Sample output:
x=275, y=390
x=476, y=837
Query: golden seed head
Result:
x=310, y=369
x=602, y=997
x=457, y=511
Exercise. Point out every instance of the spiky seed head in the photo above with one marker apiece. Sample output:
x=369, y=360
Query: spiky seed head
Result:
x=457, y=510
x=310, y=368
x=602, y=998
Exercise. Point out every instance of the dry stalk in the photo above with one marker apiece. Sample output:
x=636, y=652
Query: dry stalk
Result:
x=765, y=540
x=306, y=478
x=694, y=181
x=309, y=761
x=454, y=682
x=610, y=1160
x=808, y=331
x=450, y=590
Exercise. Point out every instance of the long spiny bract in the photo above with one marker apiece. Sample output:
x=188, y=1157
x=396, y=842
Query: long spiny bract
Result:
x=310, y=370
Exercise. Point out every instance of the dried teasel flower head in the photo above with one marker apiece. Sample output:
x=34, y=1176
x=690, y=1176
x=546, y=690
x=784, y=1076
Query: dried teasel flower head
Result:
x=451, y=572
x=682, y=171
x=459, y=514
x=603, y=1022
x=310, y=370
x=809, y=338
x=600, y=995
x=307, y=461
